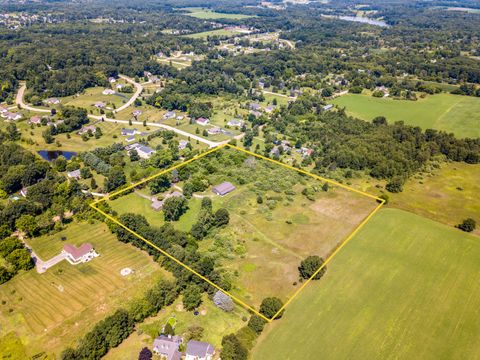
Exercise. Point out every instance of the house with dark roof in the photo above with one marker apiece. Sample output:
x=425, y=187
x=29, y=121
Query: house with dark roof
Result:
x=199, y=350
x=167, y=347
x=223, y=188
x=144, y=151
x=76, y=255
x=182, y=144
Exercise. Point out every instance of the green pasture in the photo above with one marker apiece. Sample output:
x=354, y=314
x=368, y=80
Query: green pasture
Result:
x=201, y=13
x=405, y=287
x=219, y=32
x=447, y=112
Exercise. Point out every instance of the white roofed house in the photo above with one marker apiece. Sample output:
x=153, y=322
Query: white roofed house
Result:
x=129, y=132
x=3, y=109
x=202, y=121
x=75, y=174
x=215, y=130
x=144, y=151
x=269, y=109
x=182, y=144
x=112, y=80
x=86, y=129
x=169, y=115
x=136, y=113
x=236, y=123
x=52, y=101
x=223, y=188
x=108, y=92
x=12, y=116
x=255, y=107
x=35, y=120
x=100, y=105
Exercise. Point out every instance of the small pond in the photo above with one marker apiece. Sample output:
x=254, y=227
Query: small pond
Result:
x=50, y=155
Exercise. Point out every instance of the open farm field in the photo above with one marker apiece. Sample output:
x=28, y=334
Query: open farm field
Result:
x=48, y=312
x=405, y=287
x=277, y=218
x=447, y=112
x=218, y=32
x=201, y=13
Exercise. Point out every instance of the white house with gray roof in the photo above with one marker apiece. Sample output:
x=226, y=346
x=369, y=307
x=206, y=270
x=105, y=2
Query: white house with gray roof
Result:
x=199, y=350
x=167, y=347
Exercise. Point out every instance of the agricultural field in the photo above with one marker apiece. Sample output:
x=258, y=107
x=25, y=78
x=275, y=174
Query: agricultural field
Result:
x=405, y=287
x=50, y=311
x=201, y=13
x=277, y=217
x=447, y=112
x=219, y=32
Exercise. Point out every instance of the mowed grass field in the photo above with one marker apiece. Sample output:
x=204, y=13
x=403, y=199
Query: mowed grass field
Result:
x=447, y=112
x=404, y=288
x=51, y=311
x=218, y=32
x=201, y=13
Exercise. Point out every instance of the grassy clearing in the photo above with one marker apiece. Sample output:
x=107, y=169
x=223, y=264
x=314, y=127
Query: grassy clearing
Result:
x=90, y=96
x=50, y=311
x=405, y=287
x=447, y=194
x=261, y=248
x=218, y=32
x=201, y=13
x=451, y=113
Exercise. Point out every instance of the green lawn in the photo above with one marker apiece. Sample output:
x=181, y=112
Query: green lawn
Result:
x=451, y=113
x=215, y=322
x=404, y=288
x=218, y=32
x=201, y=13
x=50, y=311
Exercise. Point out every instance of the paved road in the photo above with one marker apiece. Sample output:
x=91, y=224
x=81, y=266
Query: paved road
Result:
x=138, y=91
x=139, y=88
x=163, y=126
x=19, y=101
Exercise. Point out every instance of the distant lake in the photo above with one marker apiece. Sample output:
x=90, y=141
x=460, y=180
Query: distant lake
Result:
x=50, y=155
x=359, y=19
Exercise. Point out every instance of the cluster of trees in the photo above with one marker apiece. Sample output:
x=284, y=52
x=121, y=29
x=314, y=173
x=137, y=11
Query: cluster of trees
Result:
x=236, y=346
x=72, y=119
x=208, y=220
x=115, y=328
x=385, y=151
x=16, y=257
x=47, y=193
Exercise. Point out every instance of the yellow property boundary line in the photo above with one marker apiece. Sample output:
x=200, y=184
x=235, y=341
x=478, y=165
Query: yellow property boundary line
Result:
x=239, y=301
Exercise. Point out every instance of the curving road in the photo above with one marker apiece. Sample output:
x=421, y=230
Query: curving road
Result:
x=167, y=127
x=138, y=91
x=19, y=101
